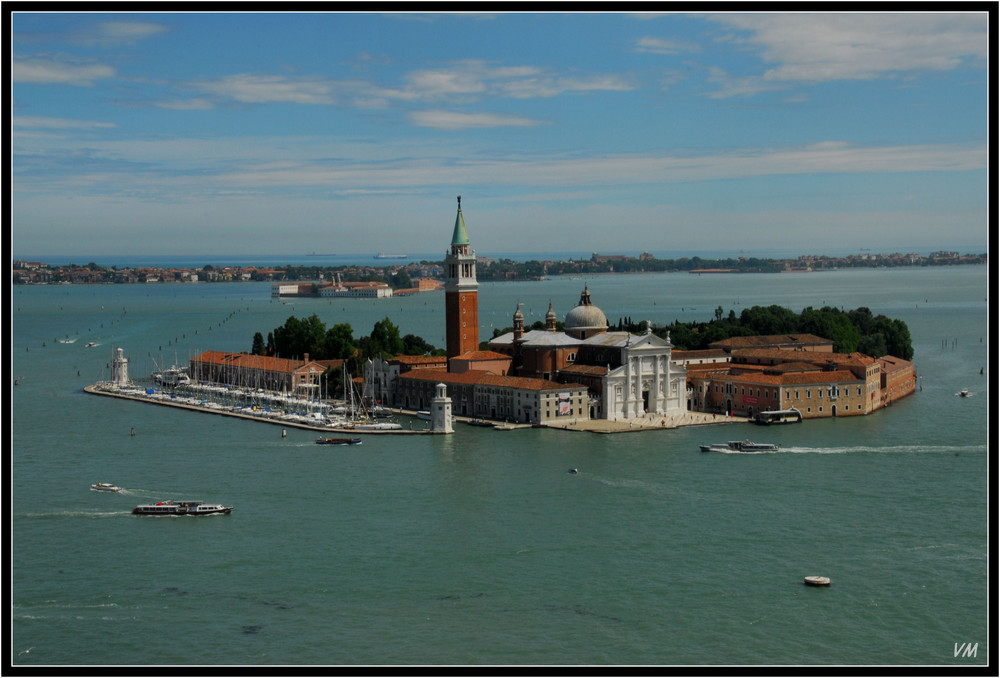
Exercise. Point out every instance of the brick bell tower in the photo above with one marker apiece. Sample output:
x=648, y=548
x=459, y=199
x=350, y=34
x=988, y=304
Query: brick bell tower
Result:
x=461, y=300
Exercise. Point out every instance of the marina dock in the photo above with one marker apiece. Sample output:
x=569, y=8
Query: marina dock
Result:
x=649, y=422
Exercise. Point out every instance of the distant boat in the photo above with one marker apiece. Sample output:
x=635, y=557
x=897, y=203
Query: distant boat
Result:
x=105, y=487
x=816, y=581
x=383, y=255
x=964, y=393
x=338, y=441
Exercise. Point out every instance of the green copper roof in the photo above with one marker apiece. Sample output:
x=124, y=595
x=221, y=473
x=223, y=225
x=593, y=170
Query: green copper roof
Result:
x=460, y=236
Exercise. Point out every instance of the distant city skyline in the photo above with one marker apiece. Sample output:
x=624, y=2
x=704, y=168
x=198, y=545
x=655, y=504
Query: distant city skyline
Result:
x=288, y=133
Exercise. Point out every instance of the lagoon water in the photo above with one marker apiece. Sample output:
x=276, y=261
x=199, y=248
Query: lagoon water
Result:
x=479, y=548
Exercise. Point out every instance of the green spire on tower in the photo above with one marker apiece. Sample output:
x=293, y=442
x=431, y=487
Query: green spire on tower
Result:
x=460, y=236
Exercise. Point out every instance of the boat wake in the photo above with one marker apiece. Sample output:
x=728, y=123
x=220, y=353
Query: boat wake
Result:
x=866, y=449
x=77, y=514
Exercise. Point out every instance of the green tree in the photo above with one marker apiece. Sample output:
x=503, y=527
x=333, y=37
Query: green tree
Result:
x=400, y=280
x=259, y=347
x=384, y=341
x=300, y=336
x=338, y=343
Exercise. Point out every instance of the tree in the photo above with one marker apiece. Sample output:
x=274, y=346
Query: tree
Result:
x=300, y=336
x=338, y=343
x=259, y=348
x=414, y=345
x=384, y=341
x=400, y=280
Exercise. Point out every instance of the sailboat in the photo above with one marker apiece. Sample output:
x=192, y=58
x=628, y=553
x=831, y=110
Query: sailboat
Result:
x=359, y=417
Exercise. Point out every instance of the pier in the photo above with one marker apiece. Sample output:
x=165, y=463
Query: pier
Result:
x=649, y=422
x=191, y=404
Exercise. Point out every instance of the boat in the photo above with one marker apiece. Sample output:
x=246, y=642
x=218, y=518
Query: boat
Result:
x=739, y=446
x=105, y=487
x=481, y=422
x=424, y=415
x=338, y=441
x=816, y=581
x=768, y=417
x=180, y=508
x=174, y=376
x=375, y=426
x=964, y=393
x=383, y=255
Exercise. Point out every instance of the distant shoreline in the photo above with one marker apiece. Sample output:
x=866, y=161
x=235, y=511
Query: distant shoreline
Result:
x=27, y=272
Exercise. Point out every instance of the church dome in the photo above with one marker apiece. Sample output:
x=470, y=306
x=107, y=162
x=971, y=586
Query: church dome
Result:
x=586, y=319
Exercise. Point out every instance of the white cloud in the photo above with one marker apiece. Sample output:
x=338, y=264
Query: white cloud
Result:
x=650, y=45
x=43, y=122
x=256, y=89
x=810, y=48
x=453, y=120
x=120, y=32
x=55, y=71
x=473, y=80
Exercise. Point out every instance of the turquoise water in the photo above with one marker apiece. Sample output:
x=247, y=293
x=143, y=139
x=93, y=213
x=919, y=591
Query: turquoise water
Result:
x=479, y=548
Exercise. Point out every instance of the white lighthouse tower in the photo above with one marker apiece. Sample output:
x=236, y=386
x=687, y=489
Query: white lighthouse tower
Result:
x=119, y=369
x=441, y=410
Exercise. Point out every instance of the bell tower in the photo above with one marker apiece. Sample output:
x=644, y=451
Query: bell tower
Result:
x=461, y=292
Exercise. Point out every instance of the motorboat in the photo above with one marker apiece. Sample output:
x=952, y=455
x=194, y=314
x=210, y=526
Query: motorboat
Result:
x=739, y=446
x=105, y=487
x=338, y=441
x=816, y=581
x=376, y=426
x=174, y=376
x=180, y=508
x=964, y=393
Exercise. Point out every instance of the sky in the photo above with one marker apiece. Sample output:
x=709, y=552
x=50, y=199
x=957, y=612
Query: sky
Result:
x=290, y=133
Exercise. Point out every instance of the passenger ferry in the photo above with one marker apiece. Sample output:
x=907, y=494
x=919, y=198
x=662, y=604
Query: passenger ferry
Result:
x=180, y=508
x=789, y=416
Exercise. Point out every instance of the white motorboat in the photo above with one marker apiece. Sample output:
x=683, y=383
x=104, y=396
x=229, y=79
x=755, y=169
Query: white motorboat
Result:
x=739, y=446
x=105, y=487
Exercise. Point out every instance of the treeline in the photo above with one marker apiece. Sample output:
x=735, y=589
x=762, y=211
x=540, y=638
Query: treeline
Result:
x=508, y=269
x=856, y=330
x=299, y=336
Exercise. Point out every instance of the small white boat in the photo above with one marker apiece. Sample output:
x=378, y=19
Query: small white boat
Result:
x=964, y=393
x=739, y=446
x=105, y=487
x=816, y=581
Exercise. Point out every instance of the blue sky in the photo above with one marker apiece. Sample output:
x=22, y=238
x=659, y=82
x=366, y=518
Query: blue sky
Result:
x=253, y=133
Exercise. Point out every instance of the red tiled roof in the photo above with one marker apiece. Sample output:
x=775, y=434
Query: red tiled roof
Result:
x=770, y=340
x=420, y=359
x=489, y=379
x=250, y=361
x=482, y=355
